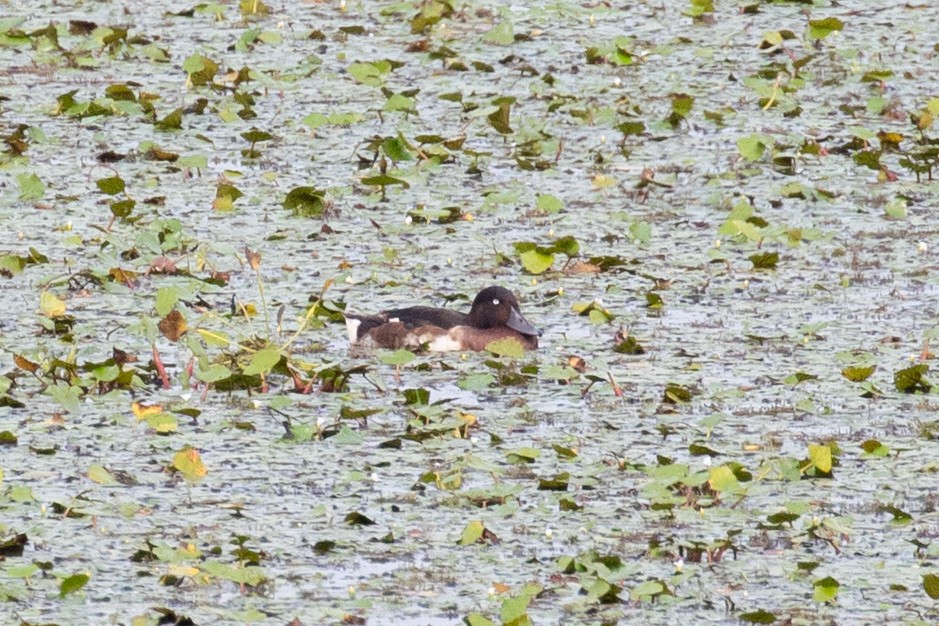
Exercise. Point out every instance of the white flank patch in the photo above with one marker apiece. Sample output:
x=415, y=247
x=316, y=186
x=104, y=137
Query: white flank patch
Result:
x=352, y=326
x=444, y=343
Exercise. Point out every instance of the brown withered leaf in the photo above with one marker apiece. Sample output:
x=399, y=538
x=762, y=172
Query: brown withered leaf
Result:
x=25, y=364
x=13, y=546
x=254, y=258
x=163, y=265
x=109, y=156
x=120, y=357
x=159, y=154
x=221, y=277
x=577, y=363
x=173, y=326
x=422, y=45
x=81, y=27
x=120, y=275
x=582, y=267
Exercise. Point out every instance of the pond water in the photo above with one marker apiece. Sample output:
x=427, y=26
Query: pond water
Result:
x=739, y=468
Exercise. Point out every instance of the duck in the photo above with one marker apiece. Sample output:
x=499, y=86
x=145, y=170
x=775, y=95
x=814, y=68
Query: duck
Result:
x=495, y=315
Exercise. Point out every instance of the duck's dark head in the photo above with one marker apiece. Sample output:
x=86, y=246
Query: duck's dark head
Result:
x=496, y=307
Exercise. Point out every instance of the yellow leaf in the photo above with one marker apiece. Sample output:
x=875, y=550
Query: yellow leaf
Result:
x=50, y=305
x=820, y=455
x=101, y=475
x=602, y=181
x=143, y=410
x=180, y=571
x=213, y=337
x=189, y=463
x=190, y=550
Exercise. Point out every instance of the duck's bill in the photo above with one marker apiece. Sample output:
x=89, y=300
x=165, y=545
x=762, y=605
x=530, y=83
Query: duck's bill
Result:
x=519, y=323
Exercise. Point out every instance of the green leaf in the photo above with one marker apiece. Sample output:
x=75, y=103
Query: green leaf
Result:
x=594, y=311
x=383, y=180
x=752, y=147
x=112, y=185
x=896, y=209
x=397, y=358
x=305, y=201
x=547, y=203
x=523, y=455
x=599, y=316
x=22, y=571
x=750, y=231
x=315, y=120
x=536, y=262
x=682, y=104
x=567, y=245
x=213, y=373
x=122, y=208
x=826, y=589
x=931, y=585
x=397, y=149
x=514, y=608
x=641, y=232
x=256, y=135
x=477, y=619
x=912, y=379
x=874, y=448
x=758, y=617
x=631, y=128
x=162, y=422
x=699, y=8
x=722, y=478
x=501, y=34
x=476, y=382
x=201, y=70
x=472, y=533
x=262, y=362
x=799, y=377
x=31, y=187
x=499, y=119
x=508, y=346
x=214, y=337
x=765, y=260
x=366, y=73
x=250, y=575
x=398, y=102
x=166, y=299
x=72, y=584
x=648, y=588
x=172, y=121
x=654, y=300
x=819, y=29
x=101, y=476
x=68, y=396
x=622, y=56
x=858, y=374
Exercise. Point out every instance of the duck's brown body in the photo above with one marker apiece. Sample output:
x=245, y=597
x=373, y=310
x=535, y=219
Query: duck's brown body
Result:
x=494, y=315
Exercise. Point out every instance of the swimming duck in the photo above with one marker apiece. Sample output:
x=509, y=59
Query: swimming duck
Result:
x=494, y=315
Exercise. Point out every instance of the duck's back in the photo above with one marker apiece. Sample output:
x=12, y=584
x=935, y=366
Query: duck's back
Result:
x=416, y=316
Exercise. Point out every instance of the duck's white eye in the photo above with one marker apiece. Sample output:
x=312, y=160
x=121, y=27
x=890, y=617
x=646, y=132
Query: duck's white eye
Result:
x=496, y=302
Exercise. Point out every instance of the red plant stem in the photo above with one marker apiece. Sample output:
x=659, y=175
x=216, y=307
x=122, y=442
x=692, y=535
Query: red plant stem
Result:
x=158, y=363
